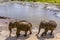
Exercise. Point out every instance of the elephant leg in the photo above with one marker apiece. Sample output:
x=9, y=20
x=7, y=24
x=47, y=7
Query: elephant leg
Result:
x=17, y=32
x=39, y=30
x=10, y=31
x=45, y=32
x=51, y=32
x=30, y=31
x=25, y=33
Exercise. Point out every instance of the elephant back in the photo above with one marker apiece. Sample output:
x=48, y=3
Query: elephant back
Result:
x=24, y=22
x=51, y=25
x=51, y=22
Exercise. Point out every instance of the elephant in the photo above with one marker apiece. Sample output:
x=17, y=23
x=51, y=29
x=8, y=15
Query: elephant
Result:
x=21, y=25
x=50, y=25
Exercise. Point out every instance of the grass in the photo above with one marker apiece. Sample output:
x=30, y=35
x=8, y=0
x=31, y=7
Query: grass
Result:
x=48, y=1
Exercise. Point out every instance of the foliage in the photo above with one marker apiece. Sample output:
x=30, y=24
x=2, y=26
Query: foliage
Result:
x=50, y=1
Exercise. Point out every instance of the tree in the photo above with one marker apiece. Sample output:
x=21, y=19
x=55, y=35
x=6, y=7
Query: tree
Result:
x=21, y=0
x=34, y=0
x=55, y=1
x=12, y=0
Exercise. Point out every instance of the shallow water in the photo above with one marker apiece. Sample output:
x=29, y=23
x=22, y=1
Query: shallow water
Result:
x=22, y=12
x=26, y=12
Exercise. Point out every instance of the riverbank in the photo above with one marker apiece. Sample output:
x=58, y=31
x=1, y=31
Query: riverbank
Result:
x=4, y=33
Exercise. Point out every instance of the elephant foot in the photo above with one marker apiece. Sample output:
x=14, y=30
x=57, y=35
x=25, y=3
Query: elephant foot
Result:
x=36, y=35
x=25, y=35
x=18, y=35
x=51, y=34
x=30, y=33
x=43, y=34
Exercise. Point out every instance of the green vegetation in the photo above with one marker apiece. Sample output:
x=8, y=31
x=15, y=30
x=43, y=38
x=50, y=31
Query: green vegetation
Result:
x=49, y=1
x=42, y=0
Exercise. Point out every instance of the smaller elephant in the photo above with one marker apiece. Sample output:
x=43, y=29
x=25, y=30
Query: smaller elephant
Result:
x=23, y=26
x=50, y=25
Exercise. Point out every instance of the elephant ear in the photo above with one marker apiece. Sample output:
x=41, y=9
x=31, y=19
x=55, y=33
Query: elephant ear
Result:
x=10, y=24
x=16, y=23
x=30, y=24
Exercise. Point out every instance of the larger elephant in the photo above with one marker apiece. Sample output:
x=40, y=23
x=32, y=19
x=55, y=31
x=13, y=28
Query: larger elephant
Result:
x=24, y=26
